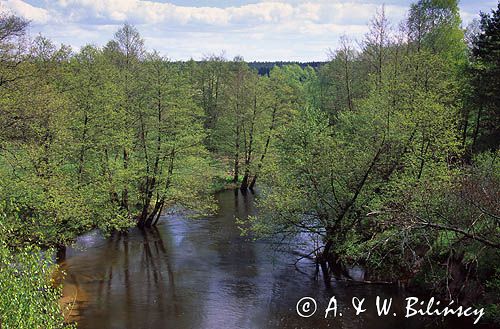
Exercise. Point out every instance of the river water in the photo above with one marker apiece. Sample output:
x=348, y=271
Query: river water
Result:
x=202, y=274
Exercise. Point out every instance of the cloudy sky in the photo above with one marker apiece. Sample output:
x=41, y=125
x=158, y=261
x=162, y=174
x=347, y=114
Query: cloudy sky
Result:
x=301, y=30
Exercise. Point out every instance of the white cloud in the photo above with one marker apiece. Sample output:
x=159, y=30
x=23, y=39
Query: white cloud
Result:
x=155, y=12
x=268, y=29
x=151, y=12
x=38, y=15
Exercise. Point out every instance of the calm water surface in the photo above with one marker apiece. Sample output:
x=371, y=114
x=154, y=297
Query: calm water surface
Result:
x=201, y=274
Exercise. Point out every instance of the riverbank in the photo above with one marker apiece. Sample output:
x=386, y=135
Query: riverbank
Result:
x=201, y=273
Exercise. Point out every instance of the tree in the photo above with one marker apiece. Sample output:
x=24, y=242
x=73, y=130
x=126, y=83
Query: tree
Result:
x=485, y=86
x=13, y=47
x=287, y=89
x=376, y=45
x=28, y=300
x=329, y=173
x=435, y=25
x=127, y=50
x=342, y=80
x=170, y=161
x=211, y=77
x=96, y=125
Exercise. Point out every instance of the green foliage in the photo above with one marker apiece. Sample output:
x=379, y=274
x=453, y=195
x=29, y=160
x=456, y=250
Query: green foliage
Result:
x=27, y=296
x=481, y=118
x=387, y=155
x=242, y=111
x=51, y=195
x=377, y=169
x=434, y=25
x=492, y=310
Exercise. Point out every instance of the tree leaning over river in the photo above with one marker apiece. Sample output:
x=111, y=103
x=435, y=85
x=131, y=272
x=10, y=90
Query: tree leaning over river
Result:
x=382, y=172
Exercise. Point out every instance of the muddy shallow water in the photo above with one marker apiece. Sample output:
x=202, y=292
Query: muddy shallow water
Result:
x=190, y=274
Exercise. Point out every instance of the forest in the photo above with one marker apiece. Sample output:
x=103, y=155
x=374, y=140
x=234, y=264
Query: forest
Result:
x=386, y=156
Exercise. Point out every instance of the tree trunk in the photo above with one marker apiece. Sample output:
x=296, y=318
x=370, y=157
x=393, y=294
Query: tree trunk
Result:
x=125, y=189
x=244, y=182
x=237, y=155
x=266, y=147
x=348, y=83
x=82, y=150
x=60, y=253
x=150, y=218
x=158, y=214
x=465, y=127
x=323, y=261
x=476, y=129
x=252, y=183
x=249, y=150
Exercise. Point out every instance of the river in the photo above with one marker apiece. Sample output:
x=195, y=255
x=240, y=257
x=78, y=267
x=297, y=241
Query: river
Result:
x=202, y=274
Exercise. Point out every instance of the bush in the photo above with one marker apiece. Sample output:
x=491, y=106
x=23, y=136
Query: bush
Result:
x=28, y=299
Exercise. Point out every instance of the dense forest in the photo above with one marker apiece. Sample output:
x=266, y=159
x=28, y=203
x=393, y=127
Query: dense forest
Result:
x=386, y=156
x=264, y=68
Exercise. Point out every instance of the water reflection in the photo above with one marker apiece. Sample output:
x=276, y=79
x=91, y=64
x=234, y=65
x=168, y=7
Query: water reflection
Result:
x=203, y=274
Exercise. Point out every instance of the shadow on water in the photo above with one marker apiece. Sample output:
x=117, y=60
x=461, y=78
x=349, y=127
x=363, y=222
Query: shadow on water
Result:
x=203, y=274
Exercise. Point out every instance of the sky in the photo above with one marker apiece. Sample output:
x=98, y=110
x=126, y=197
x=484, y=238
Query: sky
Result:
x=258, y=30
